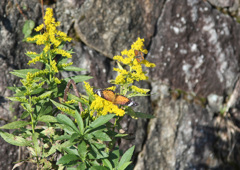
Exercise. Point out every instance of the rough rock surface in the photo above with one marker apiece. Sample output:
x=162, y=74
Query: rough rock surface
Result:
x=110, y=26
x=196, y=49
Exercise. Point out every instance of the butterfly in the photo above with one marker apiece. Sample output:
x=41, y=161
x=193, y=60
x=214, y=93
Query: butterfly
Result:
x=139, y=55
x=115, y=98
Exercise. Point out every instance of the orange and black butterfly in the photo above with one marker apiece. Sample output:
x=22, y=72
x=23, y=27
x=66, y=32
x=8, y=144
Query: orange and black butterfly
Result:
x=139, y=55
x=115, y=98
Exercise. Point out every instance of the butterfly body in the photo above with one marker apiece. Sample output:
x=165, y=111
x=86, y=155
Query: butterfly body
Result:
x=138, y=55
x=115, y=98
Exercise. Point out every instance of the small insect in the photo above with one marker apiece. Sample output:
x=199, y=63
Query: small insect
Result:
x=139, y=55
x=115, y=98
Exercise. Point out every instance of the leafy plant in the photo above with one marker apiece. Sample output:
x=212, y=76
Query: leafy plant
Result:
x=76, y=127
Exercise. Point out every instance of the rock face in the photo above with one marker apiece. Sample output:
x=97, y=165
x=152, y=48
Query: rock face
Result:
x=108, y=26
x=196, y=49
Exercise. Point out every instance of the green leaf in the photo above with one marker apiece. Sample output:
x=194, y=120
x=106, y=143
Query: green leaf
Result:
x=15, y=125
x=100, y=121
x=37, y=91
x=138, y=94
x=46, y=108
x=61, y=105
x=107, y=163
x=71, y=96
x=27, y=107
x=79, y=122
x=71, y=150
x=119, y=135
x=22, y=99
x=64, y=145
x=32, y=55
x=47, y=119
x=66, y=128
x=18, y=90
x=114, y=157
x=81, y=166
x=28, y=27
x=52, y=150
x=98, y=168
x=75, y=137
x=36, y=144
x=72, y=68
x=124, y=166
x=62, y=137
x=22, y=73
x=101, y=135
x=67, y=121
x=126, y=156
x=67, y=159
x=24, y=115
x=82, y=150
x=97, y=151
x=88, y=136
x=79, y=78
x=14, y=140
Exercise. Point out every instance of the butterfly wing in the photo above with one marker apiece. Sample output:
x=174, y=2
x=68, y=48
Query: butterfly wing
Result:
x=138, y=55
x=106, y=94
x=116, y=99
x=122, y=100
x=109, y=95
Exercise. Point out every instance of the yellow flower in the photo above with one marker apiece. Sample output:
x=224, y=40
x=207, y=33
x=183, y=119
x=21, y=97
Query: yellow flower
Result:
x=62, y=52
x=148, y=64
x=139, y=90
x=113, y=88
x=88, y=88
x=57, y=80
x=103, y=107
x=71, y=101
x=39, y=28
x=120, y=79
x=65, y=65
x=52, y=36
x=54, y=66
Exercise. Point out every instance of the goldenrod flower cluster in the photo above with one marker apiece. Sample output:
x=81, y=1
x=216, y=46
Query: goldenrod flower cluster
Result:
x=126, y=76
x=134, y=71
x=88, y=88
x=71, y=101
x=139, y=90
x=102, y=106
x=67, y=110
x=51, y=38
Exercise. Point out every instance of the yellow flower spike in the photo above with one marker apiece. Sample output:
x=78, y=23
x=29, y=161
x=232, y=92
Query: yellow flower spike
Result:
x=113, y=88
x=71, y=101
x=139, y=90
x=54, y=66
x=39, y=28
x=138, y=45
x=120, y=79
x=104, y=107
x=118, y=58
x=57, y=80
x=50, y=38
x=148, y=64
x=30, y=52
x=88, y=88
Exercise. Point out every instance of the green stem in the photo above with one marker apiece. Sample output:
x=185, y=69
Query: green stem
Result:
x=50, y=75
x=112, y=144
x=32, y=119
